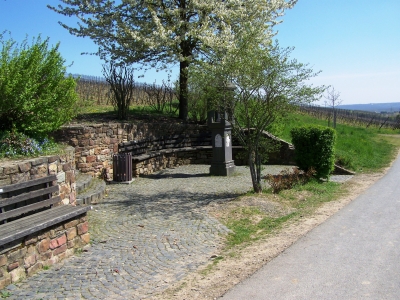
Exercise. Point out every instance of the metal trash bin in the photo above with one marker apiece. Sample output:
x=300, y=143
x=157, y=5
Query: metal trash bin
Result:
x=122, y=167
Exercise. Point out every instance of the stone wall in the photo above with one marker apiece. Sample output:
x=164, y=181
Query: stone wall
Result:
x=170, y=160
x=62, y=165
x=95, y=144
x=28, y=255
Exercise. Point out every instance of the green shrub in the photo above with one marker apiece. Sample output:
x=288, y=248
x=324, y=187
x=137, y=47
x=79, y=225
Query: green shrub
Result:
x=36, y=97
x=315, y=148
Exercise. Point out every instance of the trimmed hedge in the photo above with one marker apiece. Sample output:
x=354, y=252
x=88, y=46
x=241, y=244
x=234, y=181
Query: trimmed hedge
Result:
x=315, y=148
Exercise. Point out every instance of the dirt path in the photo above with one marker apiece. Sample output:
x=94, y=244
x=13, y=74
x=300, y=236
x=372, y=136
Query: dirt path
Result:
x=231, y=270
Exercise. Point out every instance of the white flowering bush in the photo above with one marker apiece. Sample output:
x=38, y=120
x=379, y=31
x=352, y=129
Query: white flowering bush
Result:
x=161, y=33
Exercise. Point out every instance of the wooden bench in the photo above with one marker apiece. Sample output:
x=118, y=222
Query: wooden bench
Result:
x=147, y=149
x=31, y=206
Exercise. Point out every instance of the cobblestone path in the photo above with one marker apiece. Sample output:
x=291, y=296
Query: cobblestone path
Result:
x=145, y=236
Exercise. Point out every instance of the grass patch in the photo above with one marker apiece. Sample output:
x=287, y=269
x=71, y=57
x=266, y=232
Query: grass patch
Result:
x=250, y=223
x=246, y=231
x=357, y=148
x=5, y=294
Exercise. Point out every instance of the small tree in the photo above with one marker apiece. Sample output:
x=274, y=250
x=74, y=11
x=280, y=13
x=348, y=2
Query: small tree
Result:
x=268, y=85
x=332, y=100
x=122, y=84
x=36, y=96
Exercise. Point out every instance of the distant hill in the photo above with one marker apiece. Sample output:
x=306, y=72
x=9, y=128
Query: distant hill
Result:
x=373, y=107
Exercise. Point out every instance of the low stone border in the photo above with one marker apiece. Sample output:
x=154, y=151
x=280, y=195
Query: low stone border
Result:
x=28, y=255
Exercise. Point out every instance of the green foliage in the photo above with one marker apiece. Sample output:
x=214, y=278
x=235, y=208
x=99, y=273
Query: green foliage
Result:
x=357, y=148
x=13, y=144
x=35, y=95
x=315, y=148
x=5, y=294
x=287, y=180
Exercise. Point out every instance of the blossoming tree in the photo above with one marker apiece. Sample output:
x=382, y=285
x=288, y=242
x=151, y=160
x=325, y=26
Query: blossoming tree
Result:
x=159, y=33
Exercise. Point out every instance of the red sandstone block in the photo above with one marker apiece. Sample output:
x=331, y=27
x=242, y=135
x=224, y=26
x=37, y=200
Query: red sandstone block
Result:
x=59, y=250
x=62, y=240
x=90, y=158
x=83, y=228
x=12, y=266
x=53, y=244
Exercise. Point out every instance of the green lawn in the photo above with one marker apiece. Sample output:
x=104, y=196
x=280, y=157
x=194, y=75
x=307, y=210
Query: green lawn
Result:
x=357, y=148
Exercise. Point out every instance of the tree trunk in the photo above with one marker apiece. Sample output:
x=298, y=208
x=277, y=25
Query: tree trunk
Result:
x=256, y=180
x=183, y=90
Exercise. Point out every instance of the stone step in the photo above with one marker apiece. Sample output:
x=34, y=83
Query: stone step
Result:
x=89, y=190
x=82, y=181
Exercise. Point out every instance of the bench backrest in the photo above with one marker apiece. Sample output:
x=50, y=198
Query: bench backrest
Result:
x=26, y=198
x=165, y=142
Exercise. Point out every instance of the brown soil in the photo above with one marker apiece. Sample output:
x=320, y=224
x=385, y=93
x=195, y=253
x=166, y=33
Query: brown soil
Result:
x=212, y=282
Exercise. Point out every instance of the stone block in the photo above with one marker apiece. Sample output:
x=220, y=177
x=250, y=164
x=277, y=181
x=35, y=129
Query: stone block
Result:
x=39, y=170
x=60, y=249
x=53, y=244
x=30, y=240
x=46, y=256
x=70, y=224
x=74, y=142
x=71, y=233
x=5, y=281
x=17, y=274
x=72, y=198
x=39, y=161
x=16, y=256
x=83, y=228
x=30, y=261
x=69, y=252
x=90, y=158
x=24, y=167
x=67, y=167
x=62, y=240
x=32, y=270
x=19, y=177
x=71, y=244
x=10, y=169
x=69, y=176
x=3, y=260
x=85, y=238
x=53, y=168
x=12, y=266
x=52, y=159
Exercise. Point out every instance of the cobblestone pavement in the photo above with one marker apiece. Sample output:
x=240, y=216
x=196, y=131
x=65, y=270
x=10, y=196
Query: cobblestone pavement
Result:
x=145, y=236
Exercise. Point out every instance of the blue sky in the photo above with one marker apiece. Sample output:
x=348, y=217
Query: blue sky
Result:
x=355, y=43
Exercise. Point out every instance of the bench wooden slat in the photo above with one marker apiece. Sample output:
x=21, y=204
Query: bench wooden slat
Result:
x=31, y=224
x=26, y=184
x=29, y=195
x=27, y=208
